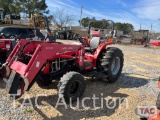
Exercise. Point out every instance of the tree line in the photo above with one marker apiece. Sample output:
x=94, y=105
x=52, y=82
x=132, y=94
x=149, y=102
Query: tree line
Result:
x=59, y=18
x=125, y=27
x=25, y=6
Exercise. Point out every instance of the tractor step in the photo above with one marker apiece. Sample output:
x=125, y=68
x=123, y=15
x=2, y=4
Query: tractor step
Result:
x=92, y=73
x=95, y=73
x=87, y=63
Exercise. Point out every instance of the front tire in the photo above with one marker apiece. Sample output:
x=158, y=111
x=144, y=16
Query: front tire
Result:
x=61, y=36
x=71, y=86
x=76, y=37
x=70, y=36
x=110, y=63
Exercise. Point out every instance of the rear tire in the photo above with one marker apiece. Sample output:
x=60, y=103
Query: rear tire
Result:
x=71, y=86
x=110, y=63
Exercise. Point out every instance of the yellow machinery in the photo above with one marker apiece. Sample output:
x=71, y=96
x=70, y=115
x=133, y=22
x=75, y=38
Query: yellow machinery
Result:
x=38, y=20
x=35, y=20
x=1, y=15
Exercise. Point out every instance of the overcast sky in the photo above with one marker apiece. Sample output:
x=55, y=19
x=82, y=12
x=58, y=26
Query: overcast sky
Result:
x=136, y=12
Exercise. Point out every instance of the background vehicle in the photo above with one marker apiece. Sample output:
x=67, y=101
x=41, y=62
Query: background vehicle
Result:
x=8, y=38
x=15, y=31
x=141, y=36
x=5, y=48
x=10, y=18
x=66, y=33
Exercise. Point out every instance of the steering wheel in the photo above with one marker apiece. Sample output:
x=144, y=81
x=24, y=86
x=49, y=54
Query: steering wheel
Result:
x=15, y=37
x=82, y=40
x=12, y=37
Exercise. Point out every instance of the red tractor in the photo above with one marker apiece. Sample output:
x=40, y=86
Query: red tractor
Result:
x=5, y=49
x=40, y=61
x=5, y=46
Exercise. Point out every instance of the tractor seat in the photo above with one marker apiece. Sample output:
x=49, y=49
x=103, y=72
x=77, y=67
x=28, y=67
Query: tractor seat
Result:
x=93, y=44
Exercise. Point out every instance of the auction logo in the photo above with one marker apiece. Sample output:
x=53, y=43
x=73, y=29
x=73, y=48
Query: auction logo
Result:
x=146, y=111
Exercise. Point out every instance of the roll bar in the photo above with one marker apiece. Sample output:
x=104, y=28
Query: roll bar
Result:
x=92, y=21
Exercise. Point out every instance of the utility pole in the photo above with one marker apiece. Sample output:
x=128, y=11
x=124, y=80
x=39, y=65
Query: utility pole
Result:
x=81, y=16
x=151, y=26
x=140, y=26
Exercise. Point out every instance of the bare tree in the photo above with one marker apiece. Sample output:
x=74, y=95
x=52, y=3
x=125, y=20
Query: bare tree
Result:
x=61, y=18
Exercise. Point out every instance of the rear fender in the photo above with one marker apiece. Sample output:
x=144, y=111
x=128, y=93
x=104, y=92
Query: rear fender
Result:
x=99, y=49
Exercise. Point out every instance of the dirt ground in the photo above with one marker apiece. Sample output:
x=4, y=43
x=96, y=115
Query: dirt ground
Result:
x=136, y=86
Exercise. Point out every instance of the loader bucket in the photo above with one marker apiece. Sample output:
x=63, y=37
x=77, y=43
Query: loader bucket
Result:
x=15, y=85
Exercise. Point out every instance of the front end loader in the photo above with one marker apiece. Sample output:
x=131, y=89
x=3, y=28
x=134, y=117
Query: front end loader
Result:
x=29, y=58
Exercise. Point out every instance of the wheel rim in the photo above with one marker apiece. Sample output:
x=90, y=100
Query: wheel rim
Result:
x=115, y=66
x=74, y=87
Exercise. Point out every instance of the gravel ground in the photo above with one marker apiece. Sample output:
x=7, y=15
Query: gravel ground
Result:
x=136, y=86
